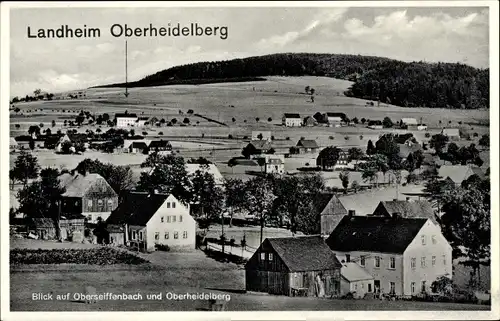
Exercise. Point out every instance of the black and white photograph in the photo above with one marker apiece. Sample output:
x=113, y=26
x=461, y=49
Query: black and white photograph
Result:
x=250, y=157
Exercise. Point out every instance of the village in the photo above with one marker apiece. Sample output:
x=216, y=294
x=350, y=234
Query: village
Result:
x=334, y=219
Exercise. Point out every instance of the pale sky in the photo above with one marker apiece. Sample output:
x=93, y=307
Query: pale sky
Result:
x=409, y=34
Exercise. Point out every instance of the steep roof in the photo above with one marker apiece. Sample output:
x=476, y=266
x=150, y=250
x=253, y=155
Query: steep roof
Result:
x=13, y=142
x=136, y=209
x=352, y=272
x=457, y=173
x=260, y=144
x=212, y=169
x=160, y=144
x=77, y=185
x=409, y=209
x=123, y=115
x=307, y=143
x=321, y=200
x=138, y=145
x=450, y=132
x=374, y=234
x=304, y=253
x=292, y=115
x=341, y=115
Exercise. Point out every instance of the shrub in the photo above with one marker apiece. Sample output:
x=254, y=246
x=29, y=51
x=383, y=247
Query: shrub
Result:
x=162, y=247
x=288, y=138
x=331, y=137
x=427, y=135
x=230, y=136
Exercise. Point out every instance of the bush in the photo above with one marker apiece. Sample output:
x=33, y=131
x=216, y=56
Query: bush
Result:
x=331, y=137
x=162, y=247
x=230, y=136
x=288, y=138
x=427, y=135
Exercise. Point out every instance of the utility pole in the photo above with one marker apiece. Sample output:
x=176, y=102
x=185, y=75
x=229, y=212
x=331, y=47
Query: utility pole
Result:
x=126, y=69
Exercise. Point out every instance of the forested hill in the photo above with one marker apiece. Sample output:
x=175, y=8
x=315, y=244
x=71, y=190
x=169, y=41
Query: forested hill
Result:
x=415, y=84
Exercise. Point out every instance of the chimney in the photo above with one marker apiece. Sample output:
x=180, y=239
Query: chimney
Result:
x=351, y=213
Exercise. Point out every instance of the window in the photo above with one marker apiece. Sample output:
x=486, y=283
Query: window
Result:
x=174, y=218
x=270, y=256
x=362, y=260
x=176, y=235
x=392, y=263
x=168, y=219
x=110, y=202
x=369, y=287
x=422, y=262
x=393, y=287
x=348, y=258
x=167, y=236
x=355, y=287
x=262, y=256
x=412, y=287
x=362, y=285
x=134, y=235
x=162, y=219
x=423, y=239
x=89, y=203
x=444, y=259
x=157, y=236
x=173, y=204
x=434, y=239
x=168, y=204
x=377, y=261
x=433, y=261
x=413, y=262
x=185, y=234
x=180, y=218
x=140, y=236
x=423, y=286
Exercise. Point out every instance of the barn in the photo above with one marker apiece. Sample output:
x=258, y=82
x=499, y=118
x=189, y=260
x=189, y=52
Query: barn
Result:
x=294, y=266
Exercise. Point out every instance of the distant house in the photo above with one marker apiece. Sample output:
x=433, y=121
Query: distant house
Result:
x=275, y=164
x=459, y=173
x=421, y=127
x=141, y=121
x=125, y=120
x=89, y=195
x=294, y=266
x=406, y=209
x=375, y=124
x=330, y=211
x=334, y=119
x=406, y=122
x=261, y=135
x=307, y=146
x=404, y=255
x=51, y=141
x=13, y=145
x=210, y=168
x=291, y=120
x=408, y=148
x=23, y=141
x=309, y=121
x=162, y=147
x=44, y=228
x=452, y=133
x=259, y=146
x=145, y=220
x=72, y=226
x=137, y=147
x=355, y=280
x=78, y=138
x=343, y=160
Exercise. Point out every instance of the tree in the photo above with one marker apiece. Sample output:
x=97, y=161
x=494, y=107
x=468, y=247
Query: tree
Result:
x=257, y=119
x=363, y=120
x=234, y=189
x=355, y=153
x=312, y=91
x=259, y=199
x=328, y=157
x=233, y=119
x=31, y=144
x=387, y=122
x=369, y=174
x=355, y=186
x=370, y=149
x=269, y=119
x=452, y=153
x=186, y=120
x=53, y=123
x=249, y=150
x=262, y=162
x=25, y=167
x=319, y=117
x=190, y=111
x=307, y=89
x=344, y=178
x=484, y=141
x=355, y=120
x=34, y=130
x=37, y=92
x=207, y=197
x=174, y=121
x=438, y=142
x=231, y=163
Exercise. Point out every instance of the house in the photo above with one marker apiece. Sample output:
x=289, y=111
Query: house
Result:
x=141, y=121
x=343, y=160
x=334, y=119
x=291, y=120
x=330, y=211
x=275, y=164
x=404, y=255
x=375, y=124
x=138, y=147
x=261, y=135
x=72, y=225
x=146, y=220
x=51, y=141
x=406, y=209
x=210, y=168
x=291, y=266
x=421, y=127
x=123, y=120
x=78, y=138
x=309, y=121
x=406, y=122
x=257, y=147
x=162, y=147
x=23, y=141
x=45, y=228
x=307, y=146
x=452, y=133
x=89, y=195
x=13, y=145
x=354, y=279
x=459, y=173
x=408, y=148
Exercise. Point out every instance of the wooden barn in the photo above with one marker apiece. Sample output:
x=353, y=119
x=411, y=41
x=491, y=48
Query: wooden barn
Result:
x=294, y=266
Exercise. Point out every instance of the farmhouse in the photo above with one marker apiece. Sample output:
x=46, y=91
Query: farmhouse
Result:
x=291, y=120
x=162, y=147
x=258, y=146
x=343, y=161
x=141, y=121
x=407, y=122
x=307, y=146
x=23, y=141
x=147, y=220
x=125, y=120
x=275, y=164
x=421, y=127
x=334, y=119
x=408, y=148
x=210, y=168
x=309, y=121
x=404, y=255
x=459, y=173
x=89, y=195
x=13, y=145
x=294, y=266
x=330, y=211
x=451, y=133
x=138, y=147
x=355, y=279
x=261, y=135
x=375, y=124
x=406, y=209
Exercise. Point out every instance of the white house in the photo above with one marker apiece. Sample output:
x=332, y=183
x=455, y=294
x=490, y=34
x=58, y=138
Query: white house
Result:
x=355, y=279
x=405, y=122
x=261, y=135
x=334, y=119
x=125, y=120
x=291, y=120
x=422, y=127
x=146, y=220
x=275, y=164
x=141, y=121
x=404, y=255
x=451, y=133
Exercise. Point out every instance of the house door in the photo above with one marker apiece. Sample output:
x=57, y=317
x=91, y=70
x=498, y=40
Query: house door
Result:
x=376, y=285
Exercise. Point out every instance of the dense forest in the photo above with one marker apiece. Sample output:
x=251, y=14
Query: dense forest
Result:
x=415, y=84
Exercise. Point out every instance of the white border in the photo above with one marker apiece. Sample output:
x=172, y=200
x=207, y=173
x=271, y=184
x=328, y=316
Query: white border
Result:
x=254, y=315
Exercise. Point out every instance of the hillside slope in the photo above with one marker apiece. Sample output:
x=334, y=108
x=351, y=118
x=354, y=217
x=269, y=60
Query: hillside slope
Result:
x=415, y=84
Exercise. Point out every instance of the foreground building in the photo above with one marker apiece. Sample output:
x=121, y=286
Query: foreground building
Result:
x=305, y=146
x=292, y=266
x=406, y=209
x=355, y=280
x=404, y=255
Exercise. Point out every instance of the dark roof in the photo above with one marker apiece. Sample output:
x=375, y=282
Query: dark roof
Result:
x=374, y=122
x=304, y=253
x=409, y=209
x=321, y=200
x=77, y=185
x=479, y=172
x=125, y=115
x=341, y=115
x=374, y=234
x=142, y=145
x=307, y=143
x=136, y=209
x=79, y=137
x=261, y=144
x=290, y=115
x=142, y=118
x=160, y=144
